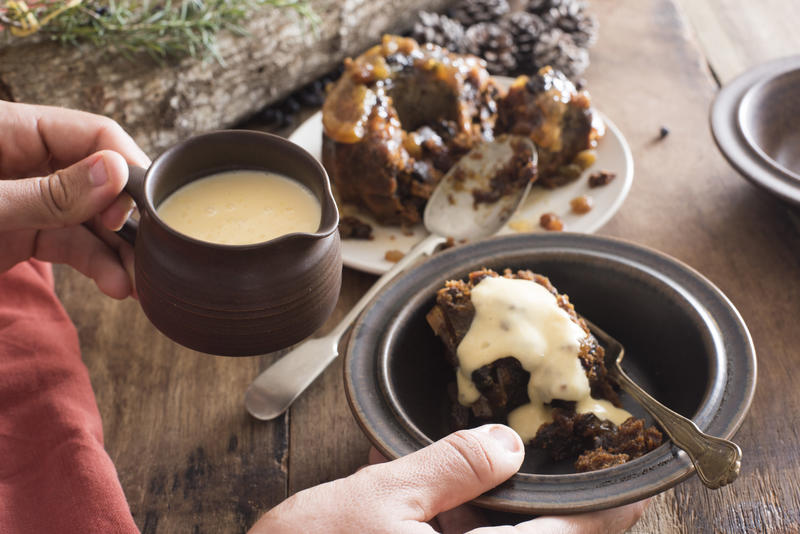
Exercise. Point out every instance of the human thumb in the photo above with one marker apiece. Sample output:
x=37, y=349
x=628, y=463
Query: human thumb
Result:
x=65, y=197
x=450, y=472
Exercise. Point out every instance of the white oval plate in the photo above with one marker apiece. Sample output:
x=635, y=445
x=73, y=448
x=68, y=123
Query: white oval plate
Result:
x=613, y=154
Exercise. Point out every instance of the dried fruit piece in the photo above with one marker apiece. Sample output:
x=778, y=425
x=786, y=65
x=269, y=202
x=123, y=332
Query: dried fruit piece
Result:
x=597, y=179
x=393, y=256
x=585, y=159
x=570, y=172
x=551, y=222
x=582, y=204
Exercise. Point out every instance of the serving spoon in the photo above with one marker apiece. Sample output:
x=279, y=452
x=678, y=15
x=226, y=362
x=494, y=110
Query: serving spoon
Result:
x=474, y=199
x=717, y=461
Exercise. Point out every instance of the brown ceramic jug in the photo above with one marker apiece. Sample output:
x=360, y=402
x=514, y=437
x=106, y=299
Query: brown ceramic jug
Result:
x=233, y=300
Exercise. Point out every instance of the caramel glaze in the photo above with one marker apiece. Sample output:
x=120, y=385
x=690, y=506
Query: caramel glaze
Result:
x=399, y=117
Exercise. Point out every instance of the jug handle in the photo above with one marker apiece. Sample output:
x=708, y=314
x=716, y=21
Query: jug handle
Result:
x=135, y=188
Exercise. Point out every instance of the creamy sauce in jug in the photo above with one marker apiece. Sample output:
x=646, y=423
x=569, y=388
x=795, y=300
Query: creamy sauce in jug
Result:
x=241, y=208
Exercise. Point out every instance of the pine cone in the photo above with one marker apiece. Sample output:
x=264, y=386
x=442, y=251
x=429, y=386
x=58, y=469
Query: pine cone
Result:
x=469, y=12
x=574, y=19
x=493, y=43
x=525, y=28
x=439, y=30
x=540, y=7
x=557, y=49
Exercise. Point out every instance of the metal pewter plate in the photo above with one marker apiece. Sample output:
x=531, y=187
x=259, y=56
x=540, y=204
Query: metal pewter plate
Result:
x=748, y=117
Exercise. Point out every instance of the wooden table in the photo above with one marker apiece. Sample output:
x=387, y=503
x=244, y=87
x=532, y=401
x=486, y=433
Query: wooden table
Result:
x=191, y=460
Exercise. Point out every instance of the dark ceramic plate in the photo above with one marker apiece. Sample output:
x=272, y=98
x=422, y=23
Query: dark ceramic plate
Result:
x=685, y=343
x=754, y=121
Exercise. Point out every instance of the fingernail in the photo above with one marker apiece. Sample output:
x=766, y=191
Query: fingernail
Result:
x=98, y=173
x=503, y=435
x=121, y=223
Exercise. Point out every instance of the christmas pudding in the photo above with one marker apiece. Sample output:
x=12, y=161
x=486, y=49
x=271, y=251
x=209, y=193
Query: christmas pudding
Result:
x=522, y=356
x=398, y=118
x=402, y=114
x=557, y=117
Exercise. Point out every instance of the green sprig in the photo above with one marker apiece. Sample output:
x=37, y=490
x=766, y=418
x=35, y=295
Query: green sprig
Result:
x=161, y=29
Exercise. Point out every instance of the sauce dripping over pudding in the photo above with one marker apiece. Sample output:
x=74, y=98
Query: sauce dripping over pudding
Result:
x=520, y=318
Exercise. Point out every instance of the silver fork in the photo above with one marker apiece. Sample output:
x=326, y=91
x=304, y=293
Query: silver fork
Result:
x=716, y=460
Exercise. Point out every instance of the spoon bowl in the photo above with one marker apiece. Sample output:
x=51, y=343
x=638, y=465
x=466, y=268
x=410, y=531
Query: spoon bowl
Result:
x=480, y=193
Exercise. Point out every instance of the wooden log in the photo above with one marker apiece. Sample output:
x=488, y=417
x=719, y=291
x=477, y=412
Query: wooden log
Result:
x=160, y=104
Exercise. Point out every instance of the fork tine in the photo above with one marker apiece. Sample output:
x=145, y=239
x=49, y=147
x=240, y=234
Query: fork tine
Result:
x=601, y=334
x=594, y=328
x=613, y=348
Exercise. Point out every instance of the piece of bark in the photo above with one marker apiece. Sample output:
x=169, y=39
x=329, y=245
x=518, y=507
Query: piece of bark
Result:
x=161, y=104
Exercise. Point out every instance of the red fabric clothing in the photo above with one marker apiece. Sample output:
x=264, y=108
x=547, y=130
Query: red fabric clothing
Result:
x=55, y=475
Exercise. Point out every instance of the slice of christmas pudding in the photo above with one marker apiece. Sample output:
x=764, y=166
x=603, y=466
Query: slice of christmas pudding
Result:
x=522, y=356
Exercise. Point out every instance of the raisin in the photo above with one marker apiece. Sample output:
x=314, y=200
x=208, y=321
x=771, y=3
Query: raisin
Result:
x=597, y=179
x=551, y=222
x=582, y=204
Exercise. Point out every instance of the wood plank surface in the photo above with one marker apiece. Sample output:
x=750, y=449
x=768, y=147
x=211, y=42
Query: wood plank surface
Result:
x=326, y=443
x=188, y=456
x=688, y=202
x=736, y=35
x=191, y=460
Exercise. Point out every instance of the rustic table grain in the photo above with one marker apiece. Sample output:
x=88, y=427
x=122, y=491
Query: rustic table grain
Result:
x=192, y=461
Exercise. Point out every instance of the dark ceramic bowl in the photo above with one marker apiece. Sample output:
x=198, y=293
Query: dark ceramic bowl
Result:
x=685, y=344
x=769, y=118
x=755, y=120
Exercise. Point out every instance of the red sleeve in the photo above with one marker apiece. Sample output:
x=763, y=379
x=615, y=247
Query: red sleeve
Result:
x=55, y=475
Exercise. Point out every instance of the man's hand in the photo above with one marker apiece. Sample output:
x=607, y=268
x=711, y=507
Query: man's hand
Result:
x=61, y=175
x=429, y=487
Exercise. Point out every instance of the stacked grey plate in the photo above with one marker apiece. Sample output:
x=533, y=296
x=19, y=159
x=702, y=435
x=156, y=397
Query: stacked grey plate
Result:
x=755, y=121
